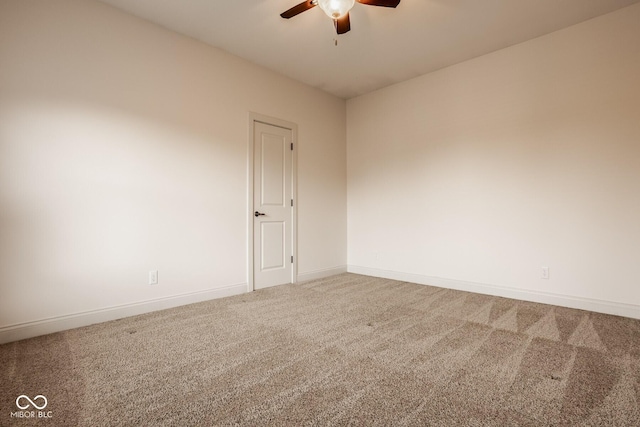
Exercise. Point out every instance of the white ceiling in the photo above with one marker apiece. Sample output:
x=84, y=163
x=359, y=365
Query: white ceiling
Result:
x=384, y=46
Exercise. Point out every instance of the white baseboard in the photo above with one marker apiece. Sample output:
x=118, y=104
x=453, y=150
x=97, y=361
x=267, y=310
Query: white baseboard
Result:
x=62, y=323
x=319, y=274
x=600, y=306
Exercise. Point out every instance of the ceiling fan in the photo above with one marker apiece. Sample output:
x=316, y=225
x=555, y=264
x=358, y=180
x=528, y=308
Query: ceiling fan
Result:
x=338, y=10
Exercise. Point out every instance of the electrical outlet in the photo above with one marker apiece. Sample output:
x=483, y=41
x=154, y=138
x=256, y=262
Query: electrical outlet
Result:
x=545, y=273
x=153, y=277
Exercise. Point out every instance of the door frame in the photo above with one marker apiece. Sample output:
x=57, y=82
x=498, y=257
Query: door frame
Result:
x=272, y=121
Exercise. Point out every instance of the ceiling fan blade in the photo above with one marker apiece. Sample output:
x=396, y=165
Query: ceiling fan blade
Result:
x=383, y=3
x=295, y=10
x=343, y=24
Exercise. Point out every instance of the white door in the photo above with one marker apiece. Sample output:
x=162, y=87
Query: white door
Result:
x=272, y=205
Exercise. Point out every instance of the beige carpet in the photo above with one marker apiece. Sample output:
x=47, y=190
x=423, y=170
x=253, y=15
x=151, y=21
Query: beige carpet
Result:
x=347, y=350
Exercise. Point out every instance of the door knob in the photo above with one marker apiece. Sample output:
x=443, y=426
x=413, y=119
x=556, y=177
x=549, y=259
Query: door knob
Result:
x=257, y=214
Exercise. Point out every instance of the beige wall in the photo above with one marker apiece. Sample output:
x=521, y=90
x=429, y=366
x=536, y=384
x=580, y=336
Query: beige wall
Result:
x=477, y=175
x=123, y=148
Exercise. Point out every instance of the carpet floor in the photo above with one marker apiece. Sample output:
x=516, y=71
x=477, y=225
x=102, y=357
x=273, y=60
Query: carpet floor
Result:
x=345, y=350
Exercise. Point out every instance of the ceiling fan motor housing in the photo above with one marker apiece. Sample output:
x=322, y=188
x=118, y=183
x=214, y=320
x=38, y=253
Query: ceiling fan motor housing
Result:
x=338, y=10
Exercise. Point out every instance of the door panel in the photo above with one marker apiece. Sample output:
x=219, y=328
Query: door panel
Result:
x=273, y=245
x=272, y=195
x=273, y=170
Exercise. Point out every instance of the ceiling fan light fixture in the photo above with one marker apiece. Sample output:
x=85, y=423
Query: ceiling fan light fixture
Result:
x=336, y=9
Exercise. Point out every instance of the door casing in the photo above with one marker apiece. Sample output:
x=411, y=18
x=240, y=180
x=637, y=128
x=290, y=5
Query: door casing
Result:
x=260, y=118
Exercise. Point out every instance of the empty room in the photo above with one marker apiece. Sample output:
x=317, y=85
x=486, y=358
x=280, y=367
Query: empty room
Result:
x=327, y=212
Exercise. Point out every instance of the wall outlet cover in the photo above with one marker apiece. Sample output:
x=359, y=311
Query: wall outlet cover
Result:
x=153, y=277
x=545, y=273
